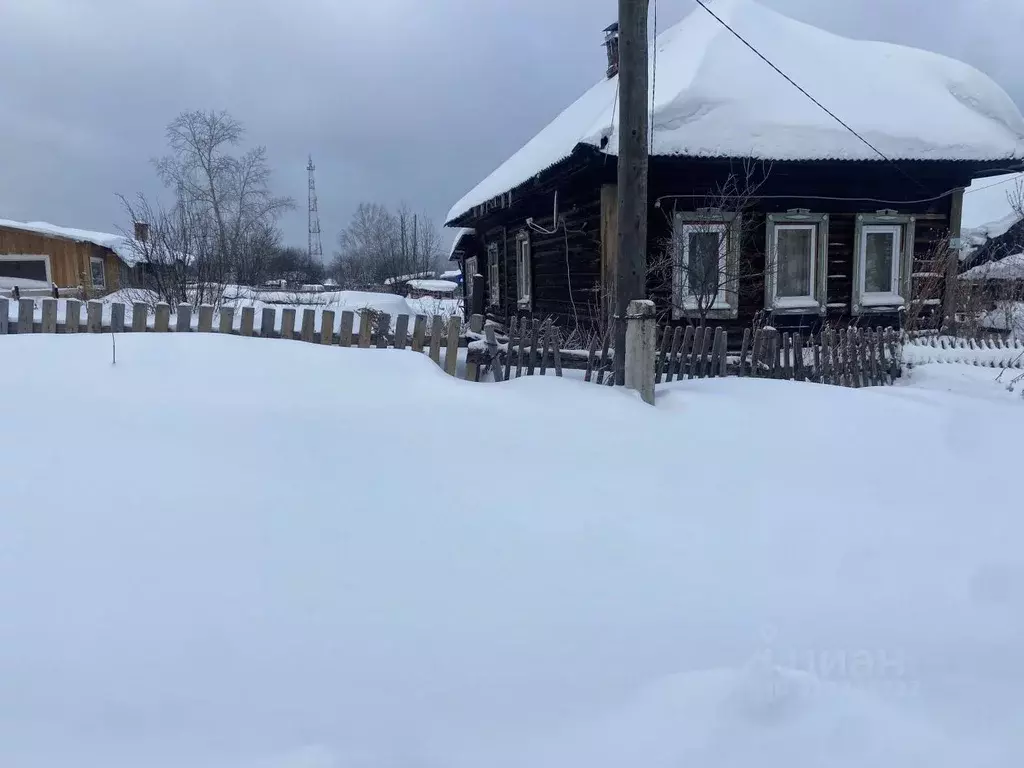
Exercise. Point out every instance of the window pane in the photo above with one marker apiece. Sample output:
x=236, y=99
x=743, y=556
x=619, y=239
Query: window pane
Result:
x=97, y=274
x=878, y=248
x=704, y=249
x=29, y=269
x=795, y=256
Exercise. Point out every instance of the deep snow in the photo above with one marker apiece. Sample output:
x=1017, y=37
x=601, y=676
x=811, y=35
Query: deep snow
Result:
x=247, y=553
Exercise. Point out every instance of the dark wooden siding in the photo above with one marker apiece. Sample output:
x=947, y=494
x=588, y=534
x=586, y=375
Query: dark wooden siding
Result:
x=842, y=190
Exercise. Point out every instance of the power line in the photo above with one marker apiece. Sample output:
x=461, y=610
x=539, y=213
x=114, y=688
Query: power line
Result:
x=996, y=184
x=821, y=106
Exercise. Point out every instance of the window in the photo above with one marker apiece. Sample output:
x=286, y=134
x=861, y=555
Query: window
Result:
x=493, y=275
x=702, y=265
x=471, y=267
x=706, y=266
x=524, y=272
x=798, y=251
x=23, y=269
x=98, y=274
x=882, y=257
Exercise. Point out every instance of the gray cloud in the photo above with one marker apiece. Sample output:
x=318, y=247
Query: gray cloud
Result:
x=411, y=100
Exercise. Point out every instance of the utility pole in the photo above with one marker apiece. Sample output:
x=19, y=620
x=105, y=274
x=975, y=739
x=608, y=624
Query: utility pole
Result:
x=631, y=272
x=315, y=249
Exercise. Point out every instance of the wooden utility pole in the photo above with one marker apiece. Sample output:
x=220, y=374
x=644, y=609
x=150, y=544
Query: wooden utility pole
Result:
x=631, y=274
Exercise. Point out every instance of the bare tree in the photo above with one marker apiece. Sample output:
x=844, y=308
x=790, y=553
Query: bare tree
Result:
x=707, y=263
x=222, y=224
x=383, y=249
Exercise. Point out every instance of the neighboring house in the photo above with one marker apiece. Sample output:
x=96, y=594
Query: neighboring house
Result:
x=467, y=253
x=993, y=225
x=800, y=220
x=37, y=254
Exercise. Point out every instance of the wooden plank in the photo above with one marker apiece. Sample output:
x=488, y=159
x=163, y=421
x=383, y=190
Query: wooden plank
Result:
x=787, y=348
x=532, y=359
x=865, y=358
x=661, y=361
x=799, y=374
x=723, y=357
x=826, y=356
x=673, y=363
x=26, y=311
x=5, y=318
x=227, y=320
x=492, y=350
x=383, y=329
x=512, y=335
x=248, y=321
x=545, y=345
x=894, y=357
x=744, y=347
x=705, y=356
x=717, y=354
x=50, y=315
x=451, y=355
x=268, y=323
x=161, y=319
x=756, y=353
x=401, y=331
x=774, y=359
x=436, y=332
x=591, y=358
x=606, y=364
x=816, y=374
x=684, y=352
x=288, y=323
x=140, y=317
x=850, y=350
x=556, y=351
x=419, y=333
x=116, y=317
x=206, y=319
x=308, y=324
x=94, y=317
x=365, y=336
x=837, y=360
x=523, y=336
x=327, y=326
x=692, y=367
x=348, y=320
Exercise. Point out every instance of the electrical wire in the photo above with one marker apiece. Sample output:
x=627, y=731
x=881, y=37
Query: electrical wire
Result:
x=821, y=106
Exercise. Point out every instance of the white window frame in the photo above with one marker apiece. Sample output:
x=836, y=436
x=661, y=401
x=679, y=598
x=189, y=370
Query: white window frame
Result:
x=903, y=258
x=30, y=257
x=493, y=276
x=93, y=261
x=471, y=268
x=689, y=299
x=815, y=300
x=524, y=270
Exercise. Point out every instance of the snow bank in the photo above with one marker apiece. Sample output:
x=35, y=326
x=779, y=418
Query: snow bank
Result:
x=119, y=244
x=1008, y=268
x=715, y=98
x=184, y=600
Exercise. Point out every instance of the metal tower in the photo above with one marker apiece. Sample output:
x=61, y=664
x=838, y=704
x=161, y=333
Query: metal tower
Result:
x=316, y=247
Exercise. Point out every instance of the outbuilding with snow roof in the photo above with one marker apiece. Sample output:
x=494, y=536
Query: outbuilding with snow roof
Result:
x=761, y=204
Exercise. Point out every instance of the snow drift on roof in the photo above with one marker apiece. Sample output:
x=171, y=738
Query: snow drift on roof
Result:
x=459, y=234
x=1009, y=268
x=122, y=246
x=715, y=98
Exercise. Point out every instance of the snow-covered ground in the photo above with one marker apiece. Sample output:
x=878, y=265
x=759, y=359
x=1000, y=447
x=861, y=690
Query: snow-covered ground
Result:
x=251, y=572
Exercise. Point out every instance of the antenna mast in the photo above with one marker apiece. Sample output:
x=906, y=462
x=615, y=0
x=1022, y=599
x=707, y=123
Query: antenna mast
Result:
x=315, y=248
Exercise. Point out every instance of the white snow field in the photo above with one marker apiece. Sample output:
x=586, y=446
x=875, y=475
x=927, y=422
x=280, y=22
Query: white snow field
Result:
x=225, y=552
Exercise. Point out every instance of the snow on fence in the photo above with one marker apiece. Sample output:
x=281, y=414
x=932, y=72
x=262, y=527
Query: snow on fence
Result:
x=989, y=351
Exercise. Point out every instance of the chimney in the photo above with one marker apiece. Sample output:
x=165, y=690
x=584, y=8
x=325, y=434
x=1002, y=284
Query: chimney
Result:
x=611, y=45
x=141, y=231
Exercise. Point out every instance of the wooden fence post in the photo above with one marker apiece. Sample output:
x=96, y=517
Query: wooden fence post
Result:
x=327, y=327
x=383, y=329
x=401, y=331
x=419, y=333
x=348, y=320
x=436, y=330
x=5, y=318
x=206, y=318
x=365, y=328
x=248, y=321
x=511, y=345
x=140, y=317
x=227, y=320
x=268, y=322
x=26, y=315
x=161, y=320
x=308, y=324
x=288, y=323
x=116, y=317
x=495, y=359
x=451, y=355
x=476, y=325
x=50, y=316
x=94, y=317
x=641, y=330
x=184, y=322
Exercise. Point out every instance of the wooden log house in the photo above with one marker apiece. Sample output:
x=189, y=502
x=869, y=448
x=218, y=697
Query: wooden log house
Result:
x=800, y=221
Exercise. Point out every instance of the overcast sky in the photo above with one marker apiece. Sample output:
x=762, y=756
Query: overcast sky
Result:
x=412, y=100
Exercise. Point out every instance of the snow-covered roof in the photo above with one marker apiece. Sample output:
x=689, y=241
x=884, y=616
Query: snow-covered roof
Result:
x=123, y=247
x=459, y=234
x=452, y=274
x=989, y=210
x=438, y=286
x=407, y=278
x=1008, y=268
x=715, y=98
